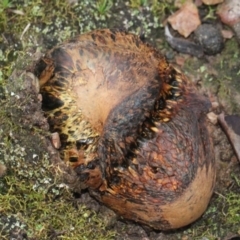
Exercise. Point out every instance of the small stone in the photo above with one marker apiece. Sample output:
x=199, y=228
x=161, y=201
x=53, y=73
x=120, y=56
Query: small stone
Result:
x=32, y=80
x=56, y=140
x=3, y=170
x=39, y=97
x=229, y=13
x=210, y=38
x=215, y=105
x=213, y=118
x=227, y=34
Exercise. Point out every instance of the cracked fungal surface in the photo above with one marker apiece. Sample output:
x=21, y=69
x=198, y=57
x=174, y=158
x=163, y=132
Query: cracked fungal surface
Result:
x=131, y=125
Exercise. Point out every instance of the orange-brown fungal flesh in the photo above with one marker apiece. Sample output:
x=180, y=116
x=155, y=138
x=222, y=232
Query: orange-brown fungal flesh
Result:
x=131, y=125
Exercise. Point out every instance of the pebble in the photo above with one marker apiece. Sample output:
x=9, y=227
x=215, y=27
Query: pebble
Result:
x=56, y=140
x=210, y=38
x=213, y=118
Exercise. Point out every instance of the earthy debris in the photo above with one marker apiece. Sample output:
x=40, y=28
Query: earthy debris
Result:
x=208, y=40
x=231, y=126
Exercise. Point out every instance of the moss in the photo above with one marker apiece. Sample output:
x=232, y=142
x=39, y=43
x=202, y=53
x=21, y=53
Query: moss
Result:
x=38, y=214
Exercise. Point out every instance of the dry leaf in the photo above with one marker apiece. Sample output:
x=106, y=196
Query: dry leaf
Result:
x=19, y=12
x=185, y=20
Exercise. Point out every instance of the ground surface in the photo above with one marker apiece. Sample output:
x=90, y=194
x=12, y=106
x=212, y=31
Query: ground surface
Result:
x=35, y=204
